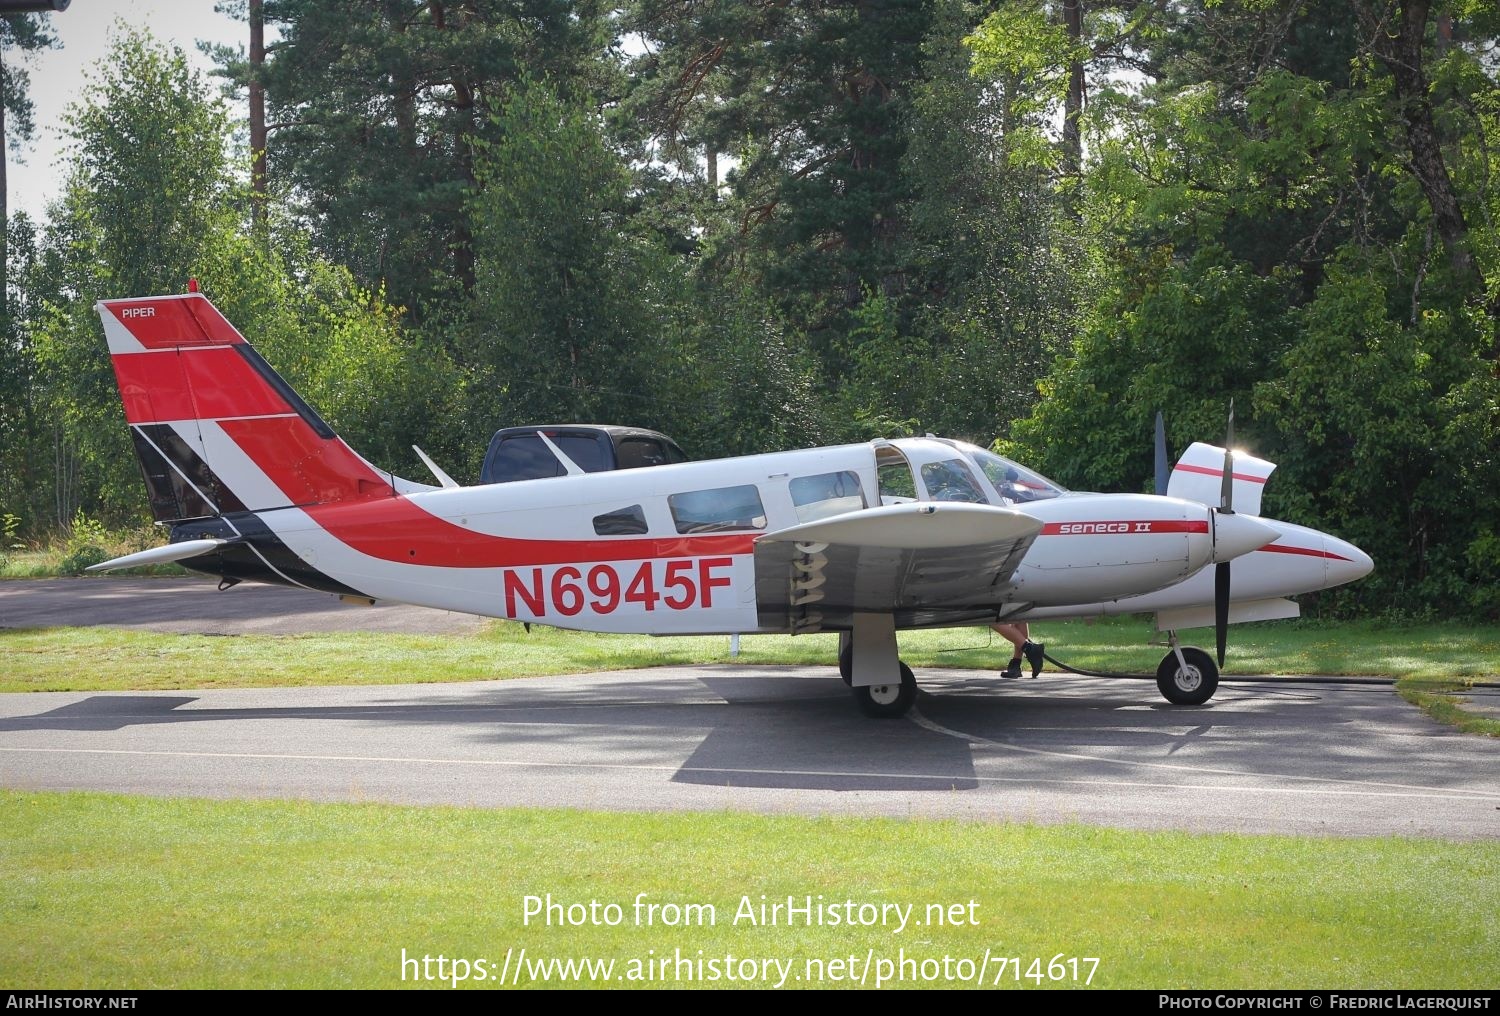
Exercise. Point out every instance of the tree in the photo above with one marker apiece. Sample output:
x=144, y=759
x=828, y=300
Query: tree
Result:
x=152, y=201
x=570, y=305
x=1270, y=224
x=376, y=108
x=27, y=33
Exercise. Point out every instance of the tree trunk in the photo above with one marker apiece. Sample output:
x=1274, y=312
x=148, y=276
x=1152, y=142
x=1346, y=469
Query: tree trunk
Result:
x=1072, y=136
x=1403, y=55
x=257, y=113
x=4, y=221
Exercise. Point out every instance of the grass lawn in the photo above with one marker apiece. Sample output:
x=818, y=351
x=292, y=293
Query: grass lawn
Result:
x=124, y=892
x=1434, y=662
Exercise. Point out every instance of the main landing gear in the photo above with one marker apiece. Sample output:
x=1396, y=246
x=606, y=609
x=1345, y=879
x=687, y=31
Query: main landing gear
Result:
x=1187, y=676
x=883, y=686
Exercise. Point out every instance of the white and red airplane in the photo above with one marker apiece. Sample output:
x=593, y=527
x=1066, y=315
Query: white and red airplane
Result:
x=862, y=539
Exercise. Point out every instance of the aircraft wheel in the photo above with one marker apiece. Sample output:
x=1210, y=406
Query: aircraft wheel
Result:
x=888, y=701
x=846, y=663
x=1188, y=687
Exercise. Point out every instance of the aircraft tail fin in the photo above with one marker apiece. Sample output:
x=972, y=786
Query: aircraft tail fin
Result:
x=215, y=428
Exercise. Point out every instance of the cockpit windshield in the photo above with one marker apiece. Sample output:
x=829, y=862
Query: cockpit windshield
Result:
x=1011, y=479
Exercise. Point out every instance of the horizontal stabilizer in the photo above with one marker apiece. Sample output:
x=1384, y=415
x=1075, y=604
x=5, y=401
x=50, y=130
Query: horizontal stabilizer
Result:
x=924, y=525
x=161, y=555
x=1239, y=613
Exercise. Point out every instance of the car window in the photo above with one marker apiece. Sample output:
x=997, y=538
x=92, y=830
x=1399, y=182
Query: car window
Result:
x=636, y=452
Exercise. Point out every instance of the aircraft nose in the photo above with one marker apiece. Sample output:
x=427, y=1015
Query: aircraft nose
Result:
x=1346, y=562
x=1239, y=534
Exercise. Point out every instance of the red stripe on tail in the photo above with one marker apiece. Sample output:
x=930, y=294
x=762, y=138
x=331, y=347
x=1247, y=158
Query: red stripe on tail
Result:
x=306, y=467
x=205, y=383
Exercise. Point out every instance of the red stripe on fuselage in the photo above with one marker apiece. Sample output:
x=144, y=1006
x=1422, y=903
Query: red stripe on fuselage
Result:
x=201, y=383
x=394, y=529
x=165, y=323
x=307, y=468
x=1123, y=527
x=1210, y=471
x=1276, y=548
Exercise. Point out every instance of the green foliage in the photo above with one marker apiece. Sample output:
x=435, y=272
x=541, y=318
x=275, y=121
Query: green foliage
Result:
x=86, y=544
x=1182, y=340
x=1389, y=432
x=383, y=104
x=569, y=305
x=1268, y=241
x=10, y=529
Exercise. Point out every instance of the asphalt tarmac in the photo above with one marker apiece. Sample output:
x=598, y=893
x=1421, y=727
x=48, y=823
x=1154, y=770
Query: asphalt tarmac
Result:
x=1342, y=760
x=194, y=606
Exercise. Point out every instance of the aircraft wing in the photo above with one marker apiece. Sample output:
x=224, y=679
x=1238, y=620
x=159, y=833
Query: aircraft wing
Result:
x=925, y=562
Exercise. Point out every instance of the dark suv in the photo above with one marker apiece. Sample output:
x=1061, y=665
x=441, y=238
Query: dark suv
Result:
x=518, y=453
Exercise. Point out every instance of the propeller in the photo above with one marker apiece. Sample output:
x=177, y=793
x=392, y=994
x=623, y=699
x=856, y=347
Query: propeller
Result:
x=1221, y=570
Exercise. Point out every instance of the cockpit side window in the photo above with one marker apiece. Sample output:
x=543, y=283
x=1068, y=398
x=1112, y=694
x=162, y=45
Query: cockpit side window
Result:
x=951, y=480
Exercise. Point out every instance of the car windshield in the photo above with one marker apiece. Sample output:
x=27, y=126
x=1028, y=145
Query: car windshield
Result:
x=1011, y=479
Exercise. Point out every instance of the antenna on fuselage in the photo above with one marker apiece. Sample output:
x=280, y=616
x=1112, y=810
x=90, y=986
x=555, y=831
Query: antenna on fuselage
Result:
x=568, y=464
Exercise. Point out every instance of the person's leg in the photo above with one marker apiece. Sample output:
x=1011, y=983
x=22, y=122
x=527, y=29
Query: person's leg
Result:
x=1015, y=634
x=1033, y=651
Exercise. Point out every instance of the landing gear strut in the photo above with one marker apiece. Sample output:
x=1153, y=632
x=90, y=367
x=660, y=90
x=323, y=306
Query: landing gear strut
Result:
x=883, y=686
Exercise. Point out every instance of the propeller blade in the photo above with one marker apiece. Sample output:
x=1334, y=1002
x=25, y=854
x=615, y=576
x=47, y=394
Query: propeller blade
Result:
x=1162, y=475
x=1221, y=608
x=1226, y=492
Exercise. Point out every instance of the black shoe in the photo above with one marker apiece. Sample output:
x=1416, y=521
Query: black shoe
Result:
x=1034, y=652
x=1012, y=669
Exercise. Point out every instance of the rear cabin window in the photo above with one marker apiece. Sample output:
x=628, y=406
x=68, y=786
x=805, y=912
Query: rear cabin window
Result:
x=818, y=497
x=621, y=522
x=951, y=480
x=717, y=510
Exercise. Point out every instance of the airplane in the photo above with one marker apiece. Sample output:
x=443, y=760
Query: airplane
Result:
x=864, y=540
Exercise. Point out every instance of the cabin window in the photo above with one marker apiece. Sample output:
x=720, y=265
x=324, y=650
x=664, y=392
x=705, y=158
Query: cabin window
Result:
x=629, y=521
x=896, y=484
x=951, y=480
x=717, y=510
x=818, y=497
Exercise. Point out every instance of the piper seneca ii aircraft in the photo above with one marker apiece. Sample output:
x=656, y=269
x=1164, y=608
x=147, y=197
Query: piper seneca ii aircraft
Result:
x=864, y=539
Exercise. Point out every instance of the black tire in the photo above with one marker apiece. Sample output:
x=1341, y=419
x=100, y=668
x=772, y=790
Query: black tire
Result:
x=846, y=662
x=1191, y=687
x=888, y=701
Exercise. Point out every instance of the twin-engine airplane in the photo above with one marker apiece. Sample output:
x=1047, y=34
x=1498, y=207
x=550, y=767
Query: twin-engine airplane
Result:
x=863, y=539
